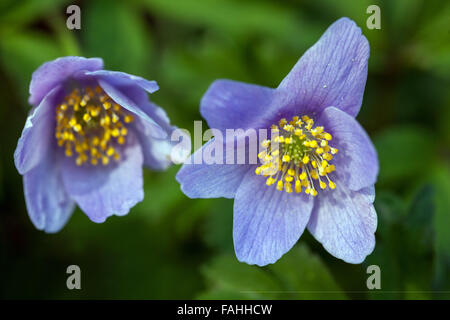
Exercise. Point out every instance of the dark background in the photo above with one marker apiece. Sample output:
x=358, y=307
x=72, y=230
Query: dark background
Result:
x=172, y=247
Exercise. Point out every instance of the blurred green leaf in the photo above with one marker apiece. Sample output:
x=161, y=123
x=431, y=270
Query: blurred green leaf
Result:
x=392, y=13
x=227, y=274
x=430, y=50
x=66, y=38
x=419, y=220
x=21, y=54
x=355, y=10
x=404, y=152
x=218, y=227
x=239, y=18
x=297, y=275
x=391, y=212
x=404, y=234
x=117, y=35
x=444, y=122
x=304, y=276
x=123, y=255
x=1, y=178
x=417, y=244
x=385, y=255
x=441, y=179
x=189, y=217
x=162, y=193
x=199, y=65
x=25, y=11
x=222, y=294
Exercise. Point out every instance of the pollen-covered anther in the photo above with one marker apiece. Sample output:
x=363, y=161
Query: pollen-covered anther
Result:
x=298, y=157
x=91, y=126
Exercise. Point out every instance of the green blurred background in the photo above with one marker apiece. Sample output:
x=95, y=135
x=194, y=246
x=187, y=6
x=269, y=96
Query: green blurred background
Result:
x=172, y=247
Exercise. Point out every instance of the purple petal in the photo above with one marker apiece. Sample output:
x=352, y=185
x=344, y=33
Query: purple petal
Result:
x=333, y=72
x=37, y=135
x=211, y=180
x=267, y=222
x=369, y=192
x=118, y=94
x=155, y=112
x=344, y=222
x=157, y=151
x=48, y=204
x=104, y=191
x=124, y=79
x=356, y=162
x=53, y=73
x=230, y=105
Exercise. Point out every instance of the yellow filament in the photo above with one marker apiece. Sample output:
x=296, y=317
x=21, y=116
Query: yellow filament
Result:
x=297, y=156
x=91, y=124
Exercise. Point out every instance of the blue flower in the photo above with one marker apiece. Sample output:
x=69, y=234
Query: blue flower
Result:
x=317, y=169
x=86, y=140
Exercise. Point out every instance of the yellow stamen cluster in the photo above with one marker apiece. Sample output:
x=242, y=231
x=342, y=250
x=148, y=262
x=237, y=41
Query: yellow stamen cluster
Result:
x=297, y=155
x=91, y=126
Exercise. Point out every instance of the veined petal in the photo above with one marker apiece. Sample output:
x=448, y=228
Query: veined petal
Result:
x=204, y=180
x=157, y=151
x=344, y=222
x=124, y=79
x=117, y=94
x=356, y=162
x=369, y=192
x=104, y=191
x=333, y=72
x=231, y=105
x=267, y=222
x=48, y=204
x=37, y=135
x=53, y=73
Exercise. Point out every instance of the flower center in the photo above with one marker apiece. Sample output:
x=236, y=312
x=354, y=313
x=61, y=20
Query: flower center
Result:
x=90, y=124
x=296, y=156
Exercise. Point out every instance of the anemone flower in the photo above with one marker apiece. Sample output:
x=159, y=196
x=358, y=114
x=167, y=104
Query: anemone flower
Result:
x=318, y=167
x=85, y=141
